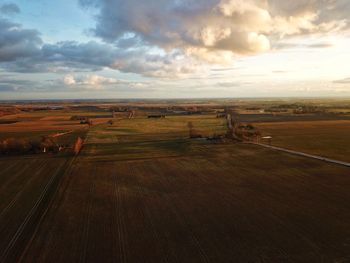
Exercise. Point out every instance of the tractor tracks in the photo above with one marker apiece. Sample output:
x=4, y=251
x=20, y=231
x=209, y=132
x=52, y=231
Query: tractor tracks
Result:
x=87, y=223
x=27, y=227
x=174, y=205
x=20, y=192
x=119, y=222
x=69, y=167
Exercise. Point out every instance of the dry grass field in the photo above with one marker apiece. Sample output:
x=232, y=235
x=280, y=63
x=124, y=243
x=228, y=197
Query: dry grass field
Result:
x=141, y=191
x=325, y=138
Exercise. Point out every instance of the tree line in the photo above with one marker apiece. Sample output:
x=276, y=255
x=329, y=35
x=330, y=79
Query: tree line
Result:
x=12, y=146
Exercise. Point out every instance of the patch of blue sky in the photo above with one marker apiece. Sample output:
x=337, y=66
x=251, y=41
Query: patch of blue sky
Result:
x=62, y=20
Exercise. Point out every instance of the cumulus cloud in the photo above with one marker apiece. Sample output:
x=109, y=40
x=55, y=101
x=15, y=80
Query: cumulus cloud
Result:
x=204, y=27
x=171, y=39
x=186, y=25
x=90, y=81
x=69, y=80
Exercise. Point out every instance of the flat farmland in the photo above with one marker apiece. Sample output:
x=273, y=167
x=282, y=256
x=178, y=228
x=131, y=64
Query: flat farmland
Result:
x=149, y=194
x=140, y=138
x=220, y=205
x=33, y=125
x=172, y=127
x=26, y=184
x=36, y=121
x=325, y=138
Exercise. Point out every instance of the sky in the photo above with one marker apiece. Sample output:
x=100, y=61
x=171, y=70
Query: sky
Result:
x=114, y=49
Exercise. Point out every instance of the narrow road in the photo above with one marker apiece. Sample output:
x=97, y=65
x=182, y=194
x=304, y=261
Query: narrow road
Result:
x=316, y=157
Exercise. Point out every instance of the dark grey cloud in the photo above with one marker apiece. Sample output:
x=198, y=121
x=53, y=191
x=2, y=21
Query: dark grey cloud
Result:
x=22, y=50
x=129, y=42
x=9, y=9
x=6, y=88
x=79, y=55
x=93, y=56
x=16, y=42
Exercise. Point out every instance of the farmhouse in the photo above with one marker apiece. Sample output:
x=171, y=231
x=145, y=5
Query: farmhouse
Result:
x=247, y=132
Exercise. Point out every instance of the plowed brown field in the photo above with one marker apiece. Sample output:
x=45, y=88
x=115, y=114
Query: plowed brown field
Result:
x=155, y=196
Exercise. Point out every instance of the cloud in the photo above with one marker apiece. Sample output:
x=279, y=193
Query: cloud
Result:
x=22, y=50
x=185, y=25
x=89, y=81
x=97, y=82
x=16, y=42
x=9, y=9
x=69, y=80
x=321, y=45
x=342, y=81
x=70, y=83
x=92, y=56
x=220, y=27
x=139, y=85
x=229, y=84
x=10, y=84
x=299, y=44
x=172, y=38
x=223, y=69
x=7, y=88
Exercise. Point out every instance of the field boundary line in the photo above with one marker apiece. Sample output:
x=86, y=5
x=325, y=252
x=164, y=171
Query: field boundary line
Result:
x=315, y=157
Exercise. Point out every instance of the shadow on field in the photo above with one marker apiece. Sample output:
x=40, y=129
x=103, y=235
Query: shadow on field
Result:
x=141, y=147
